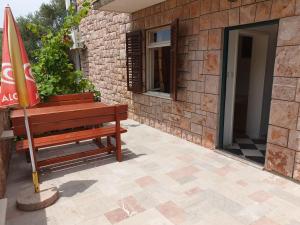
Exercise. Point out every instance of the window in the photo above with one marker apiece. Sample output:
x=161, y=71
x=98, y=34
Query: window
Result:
x=152, y=59
x=158, y=55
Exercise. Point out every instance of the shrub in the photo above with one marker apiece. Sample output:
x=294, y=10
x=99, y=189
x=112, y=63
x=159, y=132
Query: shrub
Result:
x=53, y=70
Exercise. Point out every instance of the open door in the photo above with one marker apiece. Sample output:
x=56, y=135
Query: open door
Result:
x=246, y=89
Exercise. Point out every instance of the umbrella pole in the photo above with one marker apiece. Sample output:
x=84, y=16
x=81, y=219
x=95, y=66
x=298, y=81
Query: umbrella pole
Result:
x=35, y=177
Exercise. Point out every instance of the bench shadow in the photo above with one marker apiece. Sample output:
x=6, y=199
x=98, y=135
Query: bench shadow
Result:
x=56, y=171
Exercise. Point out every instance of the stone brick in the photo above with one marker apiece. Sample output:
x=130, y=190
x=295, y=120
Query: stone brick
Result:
x=209, y=138
x=247, y=2
x=199, y=86
x=195, y=70
x=289, y=29
x=193, y=43
x=234, y=16
x=170, y=4
x=298, y=91
x=224, y=4
x=205, y=6
x=205, y=22
x=167, y=17
x=177, y=108
x=196, y=97
x=280, y=160
x=284, y=114
x=283, y=8
x=198, y=119
x=181, y=94
x=212, y=84
x=196, y=26
x=203, y=40
x=195, y=9
x=212, y=63
x=284, y=88
x=214, y=39
x=296, y=174
x=215, y=5
x=294, y=140
x=297, y=158
x=236, y=3
x=209, y=103
x=278, y=136
x=185, y=123
x=297, y=12
x=287, y=61
x=219, y=19
x=211, y=120
x=196, y=128
x=247, y=14
x=197, y=139
x=263, y=11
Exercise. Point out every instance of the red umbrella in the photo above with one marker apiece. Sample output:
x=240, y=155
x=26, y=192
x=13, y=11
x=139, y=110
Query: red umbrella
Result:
x=18, y=87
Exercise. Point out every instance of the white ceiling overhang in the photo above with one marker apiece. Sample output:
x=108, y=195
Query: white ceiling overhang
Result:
x=125, y=6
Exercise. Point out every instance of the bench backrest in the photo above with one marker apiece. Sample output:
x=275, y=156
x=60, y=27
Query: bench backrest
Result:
x=68, y=99
x=59, y=121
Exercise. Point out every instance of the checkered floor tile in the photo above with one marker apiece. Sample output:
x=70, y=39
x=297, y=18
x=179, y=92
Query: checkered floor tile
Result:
x=254, y=150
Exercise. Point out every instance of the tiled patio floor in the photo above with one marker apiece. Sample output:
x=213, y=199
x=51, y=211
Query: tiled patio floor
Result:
x=162, y=181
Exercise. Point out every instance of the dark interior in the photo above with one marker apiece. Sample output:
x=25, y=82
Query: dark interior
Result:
x=162, y=69
x=242, y=85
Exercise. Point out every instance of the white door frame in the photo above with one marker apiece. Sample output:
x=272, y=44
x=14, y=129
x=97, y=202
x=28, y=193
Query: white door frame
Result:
x=233, y=47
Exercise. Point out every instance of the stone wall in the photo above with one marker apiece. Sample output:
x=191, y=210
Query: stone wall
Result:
x=5, y=146
x=196, y=113
x=284, y=129
x=104, y=59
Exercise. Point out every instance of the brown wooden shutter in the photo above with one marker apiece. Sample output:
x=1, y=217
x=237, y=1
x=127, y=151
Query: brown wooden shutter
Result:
x=134, y=52
x=174, y=47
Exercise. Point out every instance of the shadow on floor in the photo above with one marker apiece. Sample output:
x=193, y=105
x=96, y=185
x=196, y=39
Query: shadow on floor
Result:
x=74, y=187
x=83, y=164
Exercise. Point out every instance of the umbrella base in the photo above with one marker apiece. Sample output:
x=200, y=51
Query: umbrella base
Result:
x=28, y=200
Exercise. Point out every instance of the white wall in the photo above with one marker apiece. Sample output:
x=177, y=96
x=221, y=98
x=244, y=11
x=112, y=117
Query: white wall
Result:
x=268, y=83
x=256, y=84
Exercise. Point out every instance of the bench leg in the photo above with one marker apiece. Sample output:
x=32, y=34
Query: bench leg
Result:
x=98, y=141
x=27, y=156
x=118, y=147
x=108, y=142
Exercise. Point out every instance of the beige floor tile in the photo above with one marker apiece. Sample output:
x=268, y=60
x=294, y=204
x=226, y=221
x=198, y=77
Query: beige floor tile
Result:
x=206, y=187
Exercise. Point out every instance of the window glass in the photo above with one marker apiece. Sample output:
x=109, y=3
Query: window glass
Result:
x=161, y=36
x=161, y=69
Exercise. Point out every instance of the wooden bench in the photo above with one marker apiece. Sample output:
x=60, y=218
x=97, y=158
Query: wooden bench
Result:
x=68, y=99
x=67, y=119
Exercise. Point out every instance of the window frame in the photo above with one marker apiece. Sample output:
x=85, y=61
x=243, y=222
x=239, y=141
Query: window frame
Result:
x=149, y=59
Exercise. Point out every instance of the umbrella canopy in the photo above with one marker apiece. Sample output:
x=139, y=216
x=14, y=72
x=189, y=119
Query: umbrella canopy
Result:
x=17, y=83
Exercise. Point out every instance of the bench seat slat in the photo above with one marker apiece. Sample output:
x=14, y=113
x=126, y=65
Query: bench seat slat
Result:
x=59, y=139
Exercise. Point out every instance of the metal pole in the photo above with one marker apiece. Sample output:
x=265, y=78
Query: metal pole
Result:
x=35, y=177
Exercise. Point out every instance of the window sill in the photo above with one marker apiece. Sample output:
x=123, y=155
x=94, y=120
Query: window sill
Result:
x=158, y=94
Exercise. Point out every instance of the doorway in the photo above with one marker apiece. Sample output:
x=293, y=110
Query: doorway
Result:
x=249, y=55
